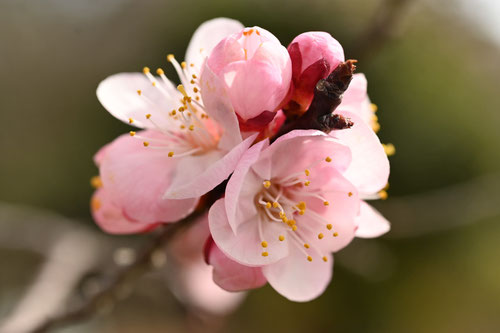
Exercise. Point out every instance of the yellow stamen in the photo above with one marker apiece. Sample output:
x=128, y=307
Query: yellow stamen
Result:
x=264, y=244
x=139, y=92
x=320, y=236
x=307, y=172
x=374, y=107
x=309, y=258
x=160, y=71
x=145, y=70
x=389, y=149
x=383, y=194
x=145, y=143
x=294, y=227
x=335, y=234
x=170, y=154
x=328, y=159
x=191, y=127
x=349, y=194
x=265, y=254
x=281, y=238
x=95, y=204
x=132, y=133
x=194, y=76
x=268, y=205
x=266, y=184
x=301, y=205
x=329, y=226
x=130, y=120
x=183, y=64
x=307, y=183
x=306, y=245
x=275, y=204
x=148, y=116
x=96, y=182
x=376, y=127
x=170, y=57
x=325, y=259
x=326, y=203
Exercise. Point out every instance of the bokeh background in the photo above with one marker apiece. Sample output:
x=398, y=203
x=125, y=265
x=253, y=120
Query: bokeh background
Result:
x=433, y=69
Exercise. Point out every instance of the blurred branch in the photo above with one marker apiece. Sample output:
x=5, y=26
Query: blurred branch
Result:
x=382, y=28
x=445, y=208
x=115, y=289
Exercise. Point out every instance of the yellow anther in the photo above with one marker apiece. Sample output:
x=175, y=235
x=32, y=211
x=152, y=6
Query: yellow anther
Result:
x=389, y=149
x=132, y=133
x=374, y=118
x=320, y=236
x=170, y=154
x=306, y=245
x=183, y=64
x=95, y=204
x=307, y=172
x=148, y=116
x=291, y=222
x=302, y=212
x=301, y=205
x=182, y=127
x=335, y=234
x=266, y=184
x=328, y=159
x=180, y=87
x=307, y=183
x=191, y=127
x=374, y=107
x=329, y=226
x=349, y=194
x=383, y=194
x=181, y=109
x=195, y=89
x=246, y=54
x=275, y=204
x=325, y=259
x=174, y=112
x=192, y=82
x=139, y=92
x=145, y=70
x=257, y=32
x=153, y=83
x=130, y=120
x=191, y=64
x=309, y=258
x=170, y=57
x=326, y=203
x=194, y=76
x=160, y=71
x=265, y=254
x=281, y=238
x=294, y=227
x=268, y=205
x=376, y=127
x=96, y=182
x=145, y=143
x=386, y=187
x=197, y=98
x=284, y=219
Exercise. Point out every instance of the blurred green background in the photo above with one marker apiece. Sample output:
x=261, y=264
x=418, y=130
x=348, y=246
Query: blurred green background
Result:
x=435, y=81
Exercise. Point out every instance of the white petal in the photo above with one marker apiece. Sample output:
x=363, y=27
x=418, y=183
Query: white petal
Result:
x=370, y=222
x=207, y=36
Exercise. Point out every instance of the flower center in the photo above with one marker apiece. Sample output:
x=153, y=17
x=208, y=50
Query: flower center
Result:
x=187, y=129
x=283, y=200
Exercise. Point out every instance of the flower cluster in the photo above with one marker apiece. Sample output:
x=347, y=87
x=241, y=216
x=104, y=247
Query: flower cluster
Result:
x=289, y=134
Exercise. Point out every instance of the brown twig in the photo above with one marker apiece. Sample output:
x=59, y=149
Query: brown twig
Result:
x=110, y=293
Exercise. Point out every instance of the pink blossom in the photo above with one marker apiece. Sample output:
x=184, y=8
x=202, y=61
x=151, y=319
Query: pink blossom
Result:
x=369, y=169
x=255, y=70
x=314, y=56
x=190, y=278
x=287, y=207
x=188, y=146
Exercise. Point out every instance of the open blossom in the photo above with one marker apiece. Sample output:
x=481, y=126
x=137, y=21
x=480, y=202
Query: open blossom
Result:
x=314, y=55
x=287, y=207
x=255, y=70
x=187, y=145
x=190, y=278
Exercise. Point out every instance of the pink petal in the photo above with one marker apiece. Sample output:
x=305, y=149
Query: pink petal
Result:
x=238, y=184
x=207, y=36
x=197, y=175
x=218, y=106
x=356, y=99
x=369, y=169
x=244, y=246
x=230, y=275
x=137, y=177
x=118, y=94
x=109, y=217
x=370, y=222
x=296, y=278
